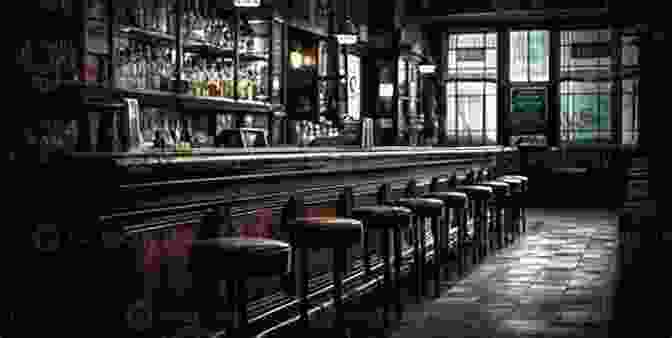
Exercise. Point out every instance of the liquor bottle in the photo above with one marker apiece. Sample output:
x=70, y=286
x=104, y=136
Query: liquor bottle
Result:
x=157, y=70
x=140, y=14
x=213, y=86
x=132, y=82
x=141, y=65
x=168, y=139
x=150, y=16
x=171, y=17
x=187, y=135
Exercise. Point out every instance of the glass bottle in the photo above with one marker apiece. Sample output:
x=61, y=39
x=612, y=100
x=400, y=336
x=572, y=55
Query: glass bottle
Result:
x=162, y=16
x=142, y=68
x=156, y=69
x=140, y=14
x=132, y=67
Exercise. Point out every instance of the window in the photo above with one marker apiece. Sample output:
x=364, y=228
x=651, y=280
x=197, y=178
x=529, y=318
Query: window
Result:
x=471, y=89
x=584, y=109
x=529, y=56
x=630, y=83
x=585, y=87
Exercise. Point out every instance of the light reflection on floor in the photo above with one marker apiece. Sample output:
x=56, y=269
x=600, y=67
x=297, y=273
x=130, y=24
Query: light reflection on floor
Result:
x=554, y=282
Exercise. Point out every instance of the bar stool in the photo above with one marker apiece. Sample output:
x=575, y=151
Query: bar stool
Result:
x=478, y=197
x=455, y=226
x=514, y=201
x=501, y=193
x=387, y=219
x=524, y=197
x=334, y=233
x=236, y=259
x=423, y=208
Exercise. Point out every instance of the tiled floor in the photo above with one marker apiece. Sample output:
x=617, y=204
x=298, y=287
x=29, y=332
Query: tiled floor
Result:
x=557, y=281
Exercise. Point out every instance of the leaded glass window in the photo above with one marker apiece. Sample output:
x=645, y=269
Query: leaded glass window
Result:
x=585, y=87
x=529, y=56
x=471, y=89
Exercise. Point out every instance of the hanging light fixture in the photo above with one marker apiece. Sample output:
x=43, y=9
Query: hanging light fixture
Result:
x=247, y=3
x=347, y=32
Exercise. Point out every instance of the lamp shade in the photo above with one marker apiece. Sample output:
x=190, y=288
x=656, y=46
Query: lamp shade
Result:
x=347, y=33
x=247, y=3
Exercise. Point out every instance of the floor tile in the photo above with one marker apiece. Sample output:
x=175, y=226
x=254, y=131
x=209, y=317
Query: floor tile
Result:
x=553, y=282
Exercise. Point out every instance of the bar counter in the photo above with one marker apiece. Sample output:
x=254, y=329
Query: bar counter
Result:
x=156, y=201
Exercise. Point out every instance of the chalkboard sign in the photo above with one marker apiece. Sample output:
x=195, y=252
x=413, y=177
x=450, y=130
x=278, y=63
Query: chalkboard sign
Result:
x=528, y=109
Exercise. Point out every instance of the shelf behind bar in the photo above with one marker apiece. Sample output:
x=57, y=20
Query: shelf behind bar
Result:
x=78, y=92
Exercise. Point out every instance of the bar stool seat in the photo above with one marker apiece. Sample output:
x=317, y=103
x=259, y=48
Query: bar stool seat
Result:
x=382, y=216
x=423, y=206
x=262, y=257
x=326, y=232
x=523, y=179
x=500, y=188
x=451, y=199
x=476, y=191
x=516, y=185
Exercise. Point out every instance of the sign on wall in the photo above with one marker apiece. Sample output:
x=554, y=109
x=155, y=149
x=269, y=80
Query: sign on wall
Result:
x=528, y=109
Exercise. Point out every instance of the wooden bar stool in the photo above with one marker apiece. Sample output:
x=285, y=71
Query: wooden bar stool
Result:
x=498, y=204
x=524, y=197
x=454, y=226
x=479, y=196
x=514, y=200
x=389, y=220
x=423, y=208
x=334, y=233
x=235, y=260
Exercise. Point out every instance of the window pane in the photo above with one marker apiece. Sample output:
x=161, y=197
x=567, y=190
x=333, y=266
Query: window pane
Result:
x=585, y=112
x=539, y=50
x=450, y=120
x=470, y=88
x=470, y=40
x=630, y=113
x=471, y=56
x=519, y=50
x=491, y=113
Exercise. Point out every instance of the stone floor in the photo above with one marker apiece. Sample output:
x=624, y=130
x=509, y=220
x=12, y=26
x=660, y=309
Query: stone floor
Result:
x=556, y=281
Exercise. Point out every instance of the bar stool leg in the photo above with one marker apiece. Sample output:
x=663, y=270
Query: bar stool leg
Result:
x=461, y=239
x=339, y=270
x=423, y=256
x=366, y=253
x=304, y=289
x=241, y=289
x=387, y=278
x=476, y=252
x=437, y=256
x=232, y=299
x=397, y=268
x=500, y=227
x=485, y=230
x=418, y=261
